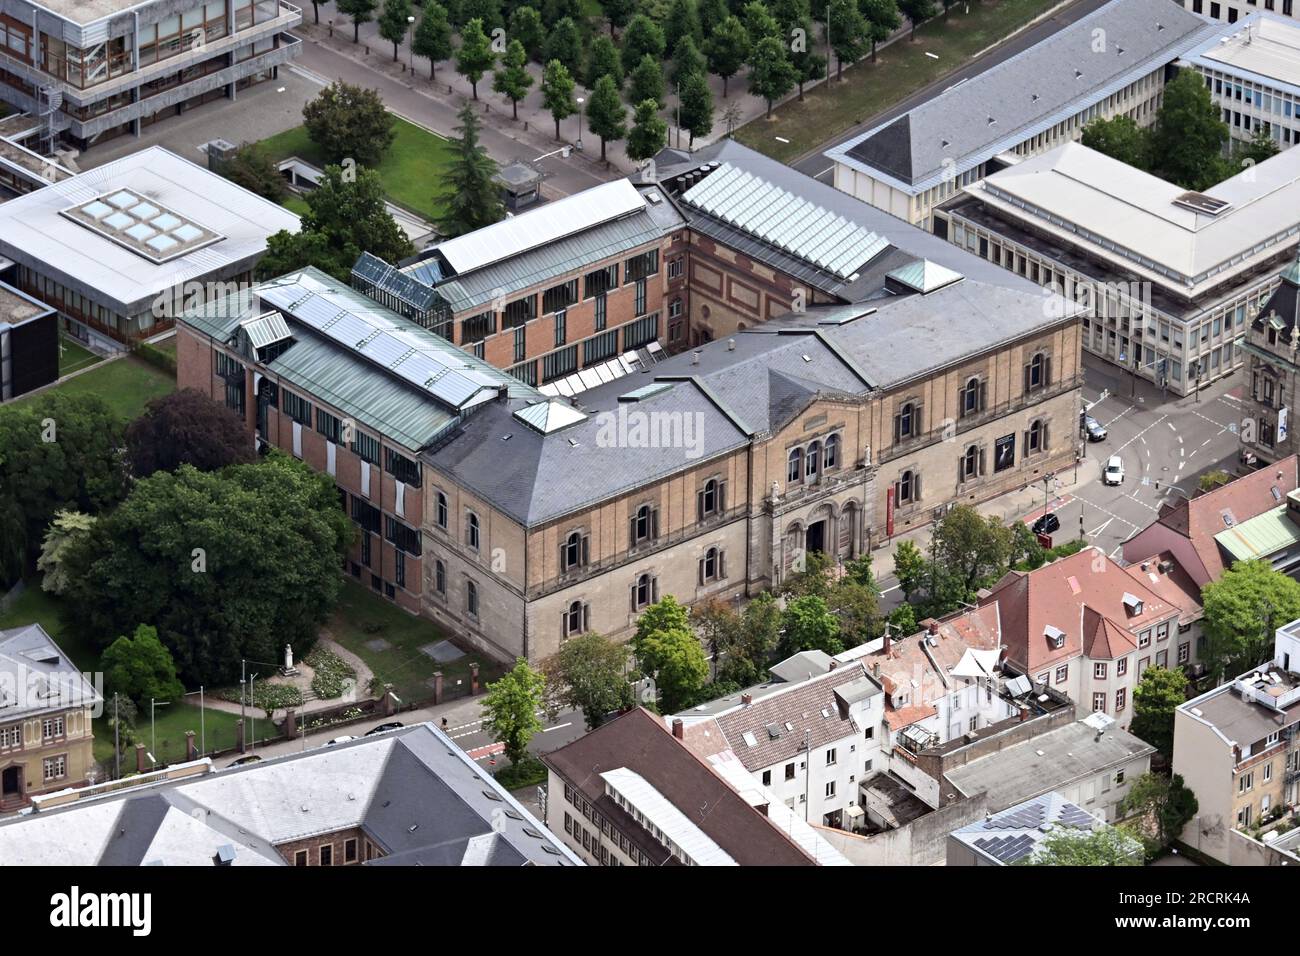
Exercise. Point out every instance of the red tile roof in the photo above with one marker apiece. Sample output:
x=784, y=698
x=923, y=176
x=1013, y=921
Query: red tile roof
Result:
x=1057, y=594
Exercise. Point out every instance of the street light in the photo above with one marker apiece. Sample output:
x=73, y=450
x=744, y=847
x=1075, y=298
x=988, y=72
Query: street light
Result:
x=410, y=42
x=578, y=144
x=153, y=734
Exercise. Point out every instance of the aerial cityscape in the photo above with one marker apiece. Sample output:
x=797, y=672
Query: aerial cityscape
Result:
x=606, y=433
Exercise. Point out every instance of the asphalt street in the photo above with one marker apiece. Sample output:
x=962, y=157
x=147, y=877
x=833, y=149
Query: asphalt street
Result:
x=816, y=165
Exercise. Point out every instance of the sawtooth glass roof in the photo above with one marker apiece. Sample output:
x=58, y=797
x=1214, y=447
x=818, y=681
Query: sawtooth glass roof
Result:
x=792, y=223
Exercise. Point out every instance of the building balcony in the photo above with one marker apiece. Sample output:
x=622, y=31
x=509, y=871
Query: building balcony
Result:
x=798, y=493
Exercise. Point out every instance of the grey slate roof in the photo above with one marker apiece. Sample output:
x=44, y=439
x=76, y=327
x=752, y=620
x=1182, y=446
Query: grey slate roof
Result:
x=1026, y=94
x=412, y=791
x=37, y=677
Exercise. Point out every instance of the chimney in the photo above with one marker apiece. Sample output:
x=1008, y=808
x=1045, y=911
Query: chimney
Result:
x=679, y=729
x=1024, y=714
x=834, y=663
x=731, y=345
x=875, y=669
x=885, y=647
x=931, y=625
x=695, y=357
x=746, y=699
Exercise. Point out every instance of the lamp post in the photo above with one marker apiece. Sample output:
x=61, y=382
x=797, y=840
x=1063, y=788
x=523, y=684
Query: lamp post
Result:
x=578, y=144
x=153, y=733
x=410, y=42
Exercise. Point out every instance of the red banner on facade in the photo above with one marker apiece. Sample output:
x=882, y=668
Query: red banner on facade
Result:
x=889, y=511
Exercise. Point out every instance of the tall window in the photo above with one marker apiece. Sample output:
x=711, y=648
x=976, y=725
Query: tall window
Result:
x=906, y=422
x=710, y=498
x=472, y=531
x=575, y=619
x=574, y=551
x=1036, y=437
x=712, y=566
x=471, y=598
x=1038, y=372
x=832, y=452
x=908, y=487
x=639, y=297
x=645, y=524
x=971, y=397
x=442, y=511
x=440, y=578
x=644, y=592
x=970, y=463
x=561, y=328
x=813, y=460
x=521, y=346
x=602, y=312
x=794, y=471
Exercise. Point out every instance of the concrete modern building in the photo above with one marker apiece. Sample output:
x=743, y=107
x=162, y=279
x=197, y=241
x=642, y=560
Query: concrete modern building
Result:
x=708, y=474
x=1253, y=72
x=1089, y=628
x=1113, y=62
x=812, y=734
x=46, y=707
x=93, y=69
x=409, y=797
x=1272, y=346
x=119, y=250
x=1006, y=838
x=1231, y=11
x=1169, y=277
x=631, y=793
x=1238, y=748
x=29, y=343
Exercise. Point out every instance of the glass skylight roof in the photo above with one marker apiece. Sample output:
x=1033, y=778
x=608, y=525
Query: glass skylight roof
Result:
x=144, y=227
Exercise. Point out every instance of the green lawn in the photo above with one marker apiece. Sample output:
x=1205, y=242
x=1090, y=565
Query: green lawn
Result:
x=127, y=384
x=74, y=356
x=362, y=617
x=167, y=345
x=902, y=68
x=295, y=204
x=410, y=170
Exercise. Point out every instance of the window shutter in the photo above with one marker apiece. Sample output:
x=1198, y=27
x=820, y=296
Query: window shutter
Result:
x=633, y=596
x=918, y=419
x=1044, y=433
x=654, y=590
x=564, y=624
x=631, y=531
x=961, y=467
x=984, y=396
x=1027, y=378
x=916, y=486
x=898, y=427
x=564, y=557
x=722, y=496
x=586, y=618
x=1028, y=450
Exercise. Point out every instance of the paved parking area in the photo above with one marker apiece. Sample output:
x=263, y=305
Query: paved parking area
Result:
x=1165, y=443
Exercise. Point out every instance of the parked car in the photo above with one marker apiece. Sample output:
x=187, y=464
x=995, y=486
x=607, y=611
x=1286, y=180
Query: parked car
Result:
x=340, y=740
x=384, y=728
x=1047, y=524
x=1093, y=429
x=1114, y=473
x=250, y=758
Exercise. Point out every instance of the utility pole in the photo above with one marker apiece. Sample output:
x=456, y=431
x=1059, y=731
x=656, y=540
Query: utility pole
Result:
x=243, y=676
x=203, y=725
x=117, y=742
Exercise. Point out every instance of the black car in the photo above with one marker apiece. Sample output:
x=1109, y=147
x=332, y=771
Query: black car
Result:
x=1047, y=524
x=384, y=728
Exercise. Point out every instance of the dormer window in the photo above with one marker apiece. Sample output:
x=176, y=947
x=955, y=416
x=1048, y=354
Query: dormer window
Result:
x=1055, y=637
x=1132, y=604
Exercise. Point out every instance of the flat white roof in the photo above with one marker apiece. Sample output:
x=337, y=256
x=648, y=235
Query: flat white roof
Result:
x=1263, y=44
x=36, y=231
x=660, y=812
x=1122, y=213
x=542, y=225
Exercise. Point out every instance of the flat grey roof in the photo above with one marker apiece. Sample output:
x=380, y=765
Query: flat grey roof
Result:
x=88, y=11
x=975, y=120
x=16, y=308
x=1262, y=47
x=1241, y=721
x=1068, y=753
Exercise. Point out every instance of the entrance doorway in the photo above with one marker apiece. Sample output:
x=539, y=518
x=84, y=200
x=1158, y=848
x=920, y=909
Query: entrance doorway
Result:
x=11, y=784
x=815, y=539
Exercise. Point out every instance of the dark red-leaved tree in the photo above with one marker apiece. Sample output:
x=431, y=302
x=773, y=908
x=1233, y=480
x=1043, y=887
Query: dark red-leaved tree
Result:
x=186, y=427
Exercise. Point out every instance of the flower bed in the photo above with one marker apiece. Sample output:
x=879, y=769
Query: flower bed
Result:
x=330, y=673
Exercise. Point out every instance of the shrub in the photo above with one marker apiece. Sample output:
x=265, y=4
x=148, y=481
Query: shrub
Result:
x=330, y=672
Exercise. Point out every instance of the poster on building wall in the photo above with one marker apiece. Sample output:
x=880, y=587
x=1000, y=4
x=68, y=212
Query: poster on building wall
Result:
x=1004, y=452
x=1281, y=425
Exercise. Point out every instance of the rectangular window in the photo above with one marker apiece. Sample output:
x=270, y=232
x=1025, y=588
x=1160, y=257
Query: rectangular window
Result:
x=350, y=851
x=830, y=757
x=402, y=536
x=560, y=297
x=519, y=312
x=602, y=312
x=300, y=858
x=1099, y=671
x=559, y=364
x=366, y=515
x=1121, y=696
x=329, y=426
x=641, y=267
x=327, y=854
x=478, y=327
x=52, y=728
x=675, y=267
x=640, y=297
x=640, y=332
x=1062, y=673
x=365, y=446
x=296, y=407
x=55, y=768
x=526, y=372
x=403, y=469
x=600, y=348
x=561, y=328
x=601, y=281
x=1099, y=701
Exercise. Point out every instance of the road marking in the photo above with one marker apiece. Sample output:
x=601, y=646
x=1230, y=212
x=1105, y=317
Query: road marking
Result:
x=1100, y=528
x=547, y=730
x=1171, y=426
x=890, y=590
x=1117, y=417
x=828, y=169
x=1109, y=513
x=1143, y=432
x=490, y=750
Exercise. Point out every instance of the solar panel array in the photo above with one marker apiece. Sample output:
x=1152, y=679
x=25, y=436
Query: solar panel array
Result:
x=145, y=227
x=425, y=361
x=1025, y=817
x=1007, y=849
x=799, y=227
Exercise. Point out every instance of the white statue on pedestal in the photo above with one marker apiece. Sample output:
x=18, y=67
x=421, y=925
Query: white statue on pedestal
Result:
x=288, y=657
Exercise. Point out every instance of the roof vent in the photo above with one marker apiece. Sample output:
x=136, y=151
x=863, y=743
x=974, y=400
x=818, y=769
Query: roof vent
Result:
x=992, y=121
x=1201, y=203
x=1078, y=74
x=731, y=345
x=695, y=357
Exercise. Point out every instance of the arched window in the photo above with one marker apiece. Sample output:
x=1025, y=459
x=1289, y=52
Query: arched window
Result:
x=970, y=397
x=711, y=565
x=575, y=619
x=1038, y=373
x=813, y=460
x=1036, y=437
x=471, y=598
x=905, y=422
x=440, y=578
x=970, y=462
x=710, y=499
x=908, y=487
x=644, y=591
x=794, y=465
x=442, y=510
x=471, y=531
x=645, y=524
x=832, y=452
x=573, y=553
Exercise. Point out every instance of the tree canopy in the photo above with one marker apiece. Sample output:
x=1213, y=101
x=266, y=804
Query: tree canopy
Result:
x=349, y=123
x=139, y=668
x=1158, y=694
x=1242, y=610
x=1163, y=805
x=470, y=193
x=433, y=36
x=226, y=565
x=557, y=93
x=606, y=113
x=1188, y=138
x=1101, y=846
x=511, y=705
x=589, y=673
x=186, y=428
x=475, y=56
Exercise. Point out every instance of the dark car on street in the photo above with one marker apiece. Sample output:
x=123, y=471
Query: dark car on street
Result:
x=384, y=728
x=1047, y=524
